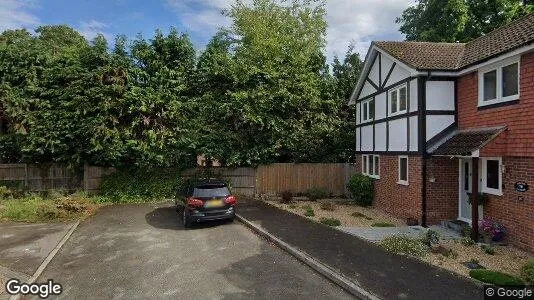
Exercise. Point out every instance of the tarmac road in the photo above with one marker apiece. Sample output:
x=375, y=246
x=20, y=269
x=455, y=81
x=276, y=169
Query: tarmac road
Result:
x=143, y=252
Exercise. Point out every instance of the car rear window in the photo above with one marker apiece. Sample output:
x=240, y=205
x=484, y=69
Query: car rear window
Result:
x=211, y=191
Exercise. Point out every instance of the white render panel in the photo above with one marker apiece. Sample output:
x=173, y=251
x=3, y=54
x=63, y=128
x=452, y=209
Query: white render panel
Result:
x=440, y=95
x=398, y=135
x=380, y=106
x=380, y=136
x=374, y=73
x=414, y=133
x=386, y=65
x=436, y=124
x=398, y=74
x=357, y=139
x=413, y=96
x=367, y=90
x=367, y=138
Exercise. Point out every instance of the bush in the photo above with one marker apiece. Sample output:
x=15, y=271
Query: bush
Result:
x=402, y=244
x=488, y=249
x=494, y=277
x=527, y=271
x=287, y=197
x=293, y=206
x=467, y=241
x=127, y=186
x=361, y=189
x=382, y=224
x=330, y=221
x=317, y=193
x=330, y=206
x=466, y=231
x=309, y=213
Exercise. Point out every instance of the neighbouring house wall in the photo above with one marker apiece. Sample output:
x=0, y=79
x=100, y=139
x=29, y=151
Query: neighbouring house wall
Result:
x=516, y=214
x=518, y=117
x=398, y=200
x=442, y=189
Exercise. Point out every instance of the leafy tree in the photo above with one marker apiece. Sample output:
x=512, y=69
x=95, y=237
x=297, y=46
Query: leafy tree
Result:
x=458, y=20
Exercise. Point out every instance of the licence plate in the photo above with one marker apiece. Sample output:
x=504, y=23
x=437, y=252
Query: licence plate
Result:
x=214, y=203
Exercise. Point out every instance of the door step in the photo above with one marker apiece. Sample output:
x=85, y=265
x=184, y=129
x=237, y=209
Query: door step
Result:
x=456, y=225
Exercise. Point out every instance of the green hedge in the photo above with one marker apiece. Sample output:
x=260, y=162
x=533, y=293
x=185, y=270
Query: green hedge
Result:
x=127, y=186
x=361, y=189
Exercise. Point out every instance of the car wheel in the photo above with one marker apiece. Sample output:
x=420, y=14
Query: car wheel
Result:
x=185, y=220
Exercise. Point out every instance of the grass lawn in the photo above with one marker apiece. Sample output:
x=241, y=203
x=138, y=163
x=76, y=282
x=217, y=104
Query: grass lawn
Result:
x=55, y=207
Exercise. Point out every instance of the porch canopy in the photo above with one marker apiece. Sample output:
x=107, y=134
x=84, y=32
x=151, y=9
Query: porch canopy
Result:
x=465, y=142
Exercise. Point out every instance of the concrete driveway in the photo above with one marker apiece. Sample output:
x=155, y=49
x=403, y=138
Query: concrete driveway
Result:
x=143, y=252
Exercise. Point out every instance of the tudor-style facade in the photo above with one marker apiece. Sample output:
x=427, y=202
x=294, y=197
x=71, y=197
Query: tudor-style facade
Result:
x=436, y=121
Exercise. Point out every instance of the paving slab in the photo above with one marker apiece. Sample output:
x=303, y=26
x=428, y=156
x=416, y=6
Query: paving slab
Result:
x=376, y=234
x=381, y=273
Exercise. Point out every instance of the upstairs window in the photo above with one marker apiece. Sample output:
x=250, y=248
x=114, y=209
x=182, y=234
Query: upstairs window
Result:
x=398, y=100
x=371, y=165
x=499, y=83
x=368, y=110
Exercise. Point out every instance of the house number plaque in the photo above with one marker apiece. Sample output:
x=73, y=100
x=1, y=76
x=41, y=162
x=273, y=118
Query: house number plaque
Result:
x=521, y=186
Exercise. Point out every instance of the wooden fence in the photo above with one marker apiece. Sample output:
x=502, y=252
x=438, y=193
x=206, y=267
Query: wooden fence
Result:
x=266, y=179
x=275, y=178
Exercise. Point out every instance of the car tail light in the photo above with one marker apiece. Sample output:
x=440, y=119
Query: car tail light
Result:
x=194, y=202
x=231, y=200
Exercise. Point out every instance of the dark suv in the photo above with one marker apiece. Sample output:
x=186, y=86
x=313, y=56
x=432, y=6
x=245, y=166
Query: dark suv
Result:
x=206, y=200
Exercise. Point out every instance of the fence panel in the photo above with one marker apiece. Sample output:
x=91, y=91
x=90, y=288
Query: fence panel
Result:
x=243, y=180
x=275, y=178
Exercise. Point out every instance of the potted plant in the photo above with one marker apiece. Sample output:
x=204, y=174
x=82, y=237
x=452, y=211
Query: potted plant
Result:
x=492, y=231
x=482, y=198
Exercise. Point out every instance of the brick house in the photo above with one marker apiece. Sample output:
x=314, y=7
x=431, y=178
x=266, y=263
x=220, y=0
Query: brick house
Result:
x=436, y=121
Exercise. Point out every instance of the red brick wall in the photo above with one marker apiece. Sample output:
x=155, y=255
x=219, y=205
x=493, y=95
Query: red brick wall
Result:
x=519, y=118
x=398, y=200
x=517, y=215
x=442, y=193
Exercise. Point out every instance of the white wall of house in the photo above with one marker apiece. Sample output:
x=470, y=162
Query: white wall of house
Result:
x=414, y=134
x=367, y=138
x=414, y=100
x=380, y=131
x=380, y=106
x=367, y=90
x=440, y=95
x=436, y=124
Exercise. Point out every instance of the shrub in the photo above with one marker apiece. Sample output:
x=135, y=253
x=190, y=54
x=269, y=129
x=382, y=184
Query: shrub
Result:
x=358, y=214
x=449, y=253
x=330, y=206
x=361, y=189
x=307, y=207
x=527, y=271
x=467, y=241
x=466, y=231
x=382, y=224
x=317, y=193
x=494, y=277
x=128, y=186
x=293, y=206
x=402, y=244
x=488, y=249
x=330, y=221
x=431, y=237
x=309, y=213
x=287, y=196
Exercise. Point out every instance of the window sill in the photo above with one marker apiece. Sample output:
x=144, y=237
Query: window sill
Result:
x=403, y=183
x=492, y=192
x=402, y=112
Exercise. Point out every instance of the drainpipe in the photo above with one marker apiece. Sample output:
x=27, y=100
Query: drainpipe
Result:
x=474, y=199
x=425, y=155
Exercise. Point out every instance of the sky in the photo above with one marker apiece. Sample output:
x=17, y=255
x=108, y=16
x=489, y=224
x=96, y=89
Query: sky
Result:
x=356, y=21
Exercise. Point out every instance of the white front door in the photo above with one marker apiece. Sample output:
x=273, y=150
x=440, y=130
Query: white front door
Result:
x=465, y=188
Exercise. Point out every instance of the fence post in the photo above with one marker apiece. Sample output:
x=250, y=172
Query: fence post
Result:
x=86, y=177
x=25, y=176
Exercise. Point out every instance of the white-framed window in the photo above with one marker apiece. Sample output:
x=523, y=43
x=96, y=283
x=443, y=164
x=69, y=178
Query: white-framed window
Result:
x=403, y=170
x=371, y=165
x=499, y=83
x=368, y=110
x=491, y=176
x=398, y=100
